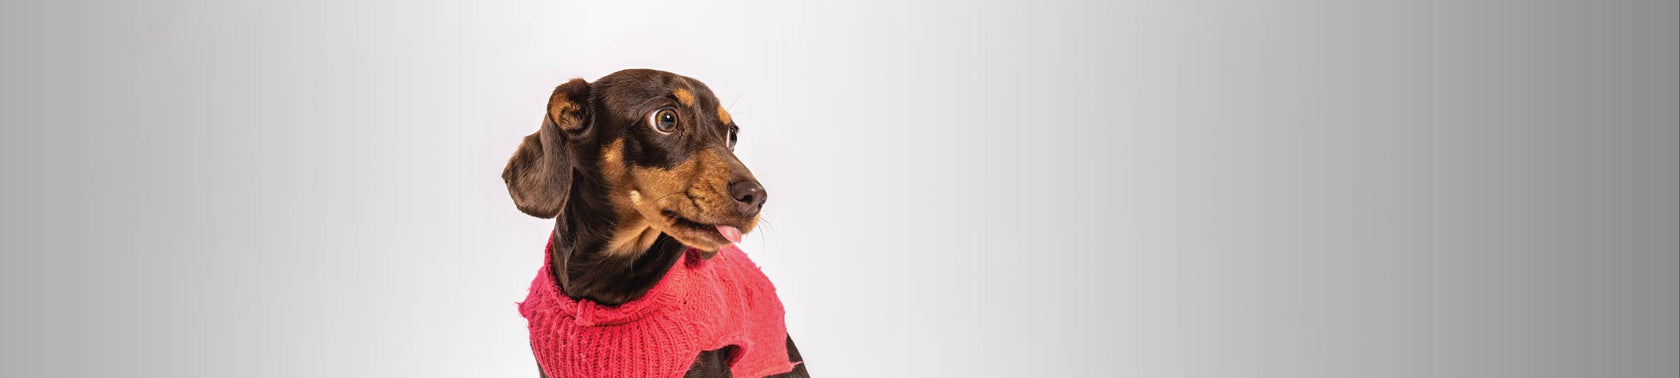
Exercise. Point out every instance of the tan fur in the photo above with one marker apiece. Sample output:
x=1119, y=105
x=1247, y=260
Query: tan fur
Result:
x=563, y=112
x=629, y=241
x=684, y=96
x=697, y=189
x=634, y=233
x=723, y=115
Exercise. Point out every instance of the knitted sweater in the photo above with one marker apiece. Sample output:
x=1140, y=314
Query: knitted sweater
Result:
x=700, y=305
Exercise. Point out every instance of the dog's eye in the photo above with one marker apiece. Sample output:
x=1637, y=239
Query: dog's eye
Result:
x=734, y=135
x=664, y=120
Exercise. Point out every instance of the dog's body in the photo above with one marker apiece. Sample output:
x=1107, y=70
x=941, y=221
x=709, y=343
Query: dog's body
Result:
x=637, y=169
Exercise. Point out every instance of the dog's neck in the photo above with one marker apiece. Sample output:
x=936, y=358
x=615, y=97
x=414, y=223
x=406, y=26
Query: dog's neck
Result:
x=584, y=262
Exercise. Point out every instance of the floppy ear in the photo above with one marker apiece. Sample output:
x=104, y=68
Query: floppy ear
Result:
x=539, y=176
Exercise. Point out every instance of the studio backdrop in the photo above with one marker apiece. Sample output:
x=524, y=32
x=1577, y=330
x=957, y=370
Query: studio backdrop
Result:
x=966, y=189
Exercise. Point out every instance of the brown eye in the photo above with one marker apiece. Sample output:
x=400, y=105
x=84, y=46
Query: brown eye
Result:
x=664, y=120
x=734, y=135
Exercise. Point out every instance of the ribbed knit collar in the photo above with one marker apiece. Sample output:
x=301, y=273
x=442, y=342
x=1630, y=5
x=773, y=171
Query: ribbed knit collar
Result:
x=671, y=290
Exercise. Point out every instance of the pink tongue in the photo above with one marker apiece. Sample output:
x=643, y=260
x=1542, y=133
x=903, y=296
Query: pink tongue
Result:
x=731, y=233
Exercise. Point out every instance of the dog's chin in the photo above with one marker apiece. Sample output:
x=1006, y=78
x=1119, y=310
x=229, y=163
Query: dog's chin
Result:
x=702, y=236
x=694, y=234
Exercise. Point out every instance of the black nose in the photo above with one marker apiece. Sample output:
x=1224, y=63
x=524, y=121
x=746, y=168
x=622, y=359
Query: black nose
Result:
x=749, y=196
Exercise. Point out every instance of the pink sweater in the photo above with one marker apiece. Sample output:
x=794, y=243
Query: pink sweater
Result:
x=700, y=305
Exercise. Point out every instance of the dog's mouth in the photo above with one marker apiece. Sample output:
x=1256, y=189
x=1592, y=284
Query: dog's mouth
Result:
x=705, y=236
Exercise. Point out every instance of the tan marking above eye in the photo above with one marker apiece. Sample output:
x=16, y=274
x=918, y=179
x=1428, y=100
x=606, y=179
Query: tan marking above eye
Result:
x=723, y=115
x=684, y=96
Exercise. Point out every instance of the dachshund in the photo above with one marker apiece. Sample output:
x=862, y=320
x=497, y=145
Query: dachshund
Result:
x=638, y=171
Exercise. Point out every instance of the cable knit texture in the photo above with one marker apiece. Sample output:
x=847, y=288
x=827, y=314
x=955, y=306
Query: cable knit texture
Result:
x=700, y=305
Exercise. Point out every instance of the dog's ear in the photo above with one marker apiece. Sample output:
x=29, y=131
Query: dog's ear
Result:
x=539, y=176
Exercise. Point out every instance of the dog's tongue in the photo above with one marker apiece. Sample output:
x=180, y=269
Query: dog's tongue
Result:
x=731, y=233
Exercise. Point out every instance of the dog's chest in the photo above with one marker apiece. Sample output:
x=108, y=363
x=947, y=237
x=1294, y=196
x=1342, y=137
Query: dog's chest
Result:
x=700, y=305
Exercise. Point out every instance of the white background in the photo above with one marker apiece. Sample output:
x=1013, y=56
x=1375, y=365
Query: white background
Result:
x=1170, y=189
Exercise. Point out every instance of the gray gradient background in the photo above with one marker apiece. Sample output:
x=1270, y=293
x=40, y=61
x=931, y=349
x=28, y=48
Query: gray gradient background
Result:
x=1167, y=189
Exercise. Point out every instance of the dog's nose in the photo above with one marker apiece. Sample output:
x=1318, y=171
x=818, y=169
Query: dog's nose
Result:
x=749, y=196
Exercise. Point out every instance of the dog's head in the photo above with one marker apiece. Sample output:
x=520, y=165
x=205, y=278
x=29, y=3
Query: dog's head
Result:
x=647, y=152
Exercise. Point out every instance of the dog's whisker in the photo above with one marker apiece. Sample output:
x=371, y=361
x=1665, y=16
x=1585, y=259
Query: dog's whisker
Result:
x=767, y=222
x=764, y=238
x=662, y=197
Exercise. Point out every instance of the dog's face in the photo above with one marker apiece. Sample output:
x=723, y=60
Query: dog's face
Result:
x=658, y=146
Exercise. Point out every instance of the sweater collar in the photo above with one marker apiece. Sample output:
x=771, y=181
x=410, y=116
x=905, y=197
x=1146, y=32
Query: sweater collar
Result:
x=672, y=289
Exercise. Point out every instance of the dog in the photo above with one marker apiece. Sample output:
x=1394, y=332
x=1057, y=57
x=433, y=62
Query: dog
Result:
x=638, y=171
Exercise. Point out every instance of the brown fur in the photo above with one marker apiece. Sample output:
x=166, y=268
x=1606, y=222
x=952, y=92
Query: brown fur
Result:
x=539, y=175
x=627, y=199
